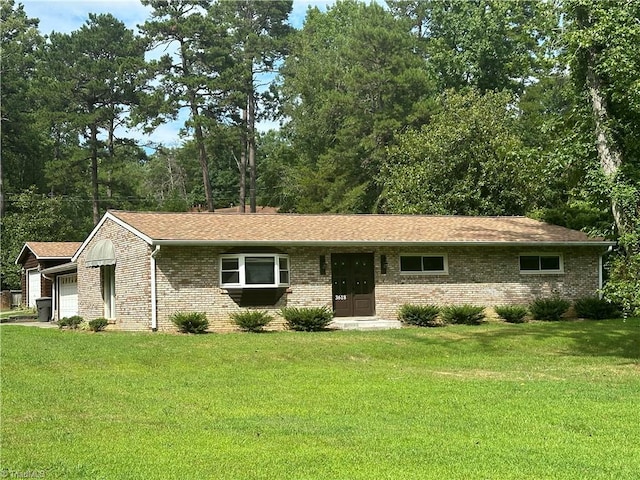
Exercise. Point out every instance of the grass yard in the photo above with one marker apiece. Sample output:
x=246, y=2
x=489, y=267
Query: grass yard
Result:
x=18, y=312
x=497, y=401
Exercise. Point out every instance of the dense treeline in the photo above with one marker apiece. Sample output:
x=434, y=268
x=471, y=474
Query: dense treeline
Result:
x=487, y=107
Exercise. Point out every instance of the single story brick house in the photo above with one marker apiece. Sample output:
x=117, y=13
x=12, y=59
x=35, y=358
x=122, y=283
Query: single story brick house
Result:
x=138, y=268
x=38, y=256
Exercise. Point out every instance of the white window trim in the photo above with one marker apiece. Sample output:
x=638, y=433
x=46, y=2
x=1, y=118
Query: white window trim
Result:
x=444, y=256
x=560, y=271
x=241, y=270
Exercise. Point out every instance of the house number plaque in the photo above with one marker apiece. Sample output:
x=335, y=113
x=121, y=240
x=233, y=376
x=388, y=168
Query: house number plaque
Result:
x=341, y=297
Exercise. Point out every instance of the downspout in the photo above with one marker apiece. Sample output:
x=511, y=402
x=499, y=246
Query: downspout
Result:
x=154, y=309
x=600, y=265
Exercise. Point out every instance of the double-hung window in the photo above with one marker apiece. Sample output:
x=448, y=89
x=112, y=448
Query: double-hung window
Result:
x=424, y=264
x=254, y=270
x=541, y=263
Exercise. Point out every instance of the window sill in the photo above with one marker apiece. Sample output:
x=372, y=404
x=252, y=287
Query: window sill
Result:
x=421, y=274
x=542, y=272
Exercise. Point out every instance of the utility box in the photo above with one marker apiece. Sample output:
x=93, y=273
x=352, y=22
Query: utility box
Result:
x=43, y=305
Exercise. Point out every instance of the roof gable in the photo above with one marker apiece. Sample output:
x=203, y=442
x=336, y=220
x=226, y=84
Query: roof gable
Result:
x=328, y=229
x=49, y=250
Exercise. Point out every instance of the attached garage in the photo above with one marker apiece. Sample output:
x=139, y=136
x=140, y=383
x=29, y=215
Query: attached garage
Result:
x=65, y=290
x=38, y=258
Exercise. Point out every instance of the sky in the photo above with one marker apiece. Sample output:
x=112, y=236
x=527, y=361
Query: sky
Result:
x=65, y=16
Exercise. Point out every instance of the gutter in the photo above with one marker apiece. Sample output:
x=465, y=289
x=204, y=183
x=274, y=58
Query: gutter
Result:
x=364, y=243
x=154, y=293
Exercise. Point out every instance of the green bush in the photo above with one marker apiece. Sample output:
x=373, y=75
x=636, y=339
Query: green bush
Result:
x=98, y=324
x=512, y=313
x=420, y=315
x=71, y=322
x=595, y=308
x=190, y=322
x=550, y=309
x=251, y=320
x=463, y=314
x=309, y=319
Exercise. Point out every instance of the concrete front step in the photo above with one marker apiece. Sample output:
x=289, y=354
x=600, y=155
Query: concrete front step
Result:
x=363, y=323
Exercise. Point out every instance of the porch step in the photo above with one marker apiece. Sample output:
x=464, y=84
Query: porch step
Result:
x=363, y=323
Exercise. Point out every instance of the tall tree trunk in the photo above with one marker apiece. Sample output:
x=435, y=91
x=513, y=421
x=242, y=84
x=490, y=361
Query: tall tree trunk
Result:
x=94, y=173
x=242, y=166
x=251, y=144
x=609, y=155
x=195, y=117
x=112, y=154
x=202, y=157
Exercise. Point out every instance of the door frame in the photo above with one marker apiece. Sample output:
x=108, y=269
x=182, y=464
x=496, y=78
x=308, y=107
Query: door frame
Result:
x=357, y=304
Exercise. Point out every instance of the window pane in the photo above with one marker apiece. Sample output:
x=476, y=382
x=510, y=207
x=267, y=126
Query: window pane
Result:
x=230, y=264
x=259, y=270
x=411, y=264
x=433, y=264
x=550, y=263
x=230, y=277
x=284, y=270
x=530, y=262
x=284, y=263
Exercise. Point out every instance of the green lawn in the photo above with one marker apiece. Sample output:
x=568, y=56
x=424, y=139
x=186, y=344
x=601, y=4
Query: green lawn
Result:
x=532, y=401
x=18, y=312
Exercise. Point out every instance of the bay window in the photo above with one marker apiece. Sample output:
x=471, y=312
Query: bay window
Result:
x=254, y=270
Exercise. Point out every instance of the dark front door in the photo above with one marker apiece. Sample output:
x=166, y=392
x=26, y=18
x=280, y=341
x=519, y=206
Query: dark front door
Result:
x=352, y=275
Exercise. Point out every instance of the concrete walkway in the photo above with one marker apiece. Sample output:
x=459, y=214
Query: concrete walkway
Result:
x=30, y=323
x=363, y=323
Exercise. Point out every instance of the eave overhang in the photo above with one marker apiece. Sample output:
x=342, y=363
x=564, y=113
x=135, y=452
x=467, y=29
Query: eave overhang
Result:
x=65, y=267
x=356, y=243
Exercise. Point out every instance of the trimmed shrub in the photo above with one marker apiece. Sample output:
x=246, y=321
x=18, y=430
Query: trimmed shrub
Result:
x=550, y=309
x=309, y=319
x=512, y=313
x=595, y=308
x=420, y=315
x=251, y=320
x=71, y=322
x=98, y=324
x=190, y=322
x=463, y=314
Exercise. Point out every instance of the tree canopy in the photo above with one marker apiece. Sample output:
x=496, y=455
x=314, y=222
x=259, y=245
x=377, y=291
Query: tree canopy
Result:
x=500, y=107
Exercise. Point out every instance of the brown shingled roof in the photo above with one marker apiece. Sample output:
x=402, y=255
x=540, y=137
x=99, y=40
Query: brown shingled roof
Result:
x=340, y=229
x=50, y=250
x=53, y=249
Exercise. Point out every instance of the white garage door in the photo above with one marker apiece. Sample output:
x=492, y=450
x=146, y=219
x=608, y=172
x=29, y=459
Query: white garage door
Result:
x=68, y=288
x=33, y=286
